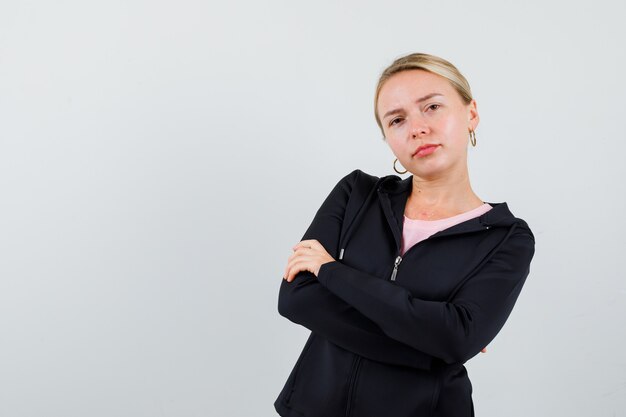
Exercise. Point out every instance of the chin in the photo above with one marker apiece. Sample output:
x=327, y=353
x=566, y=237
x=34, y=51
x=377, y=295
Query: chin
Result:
x=431, y=171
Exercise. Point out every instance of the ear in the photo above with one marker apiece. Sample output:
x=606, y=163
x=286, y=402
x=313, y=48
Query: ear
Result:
x=473, y=117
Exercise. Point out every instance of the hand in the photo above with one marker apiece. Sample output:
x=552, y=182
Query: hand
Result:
x=308, y=255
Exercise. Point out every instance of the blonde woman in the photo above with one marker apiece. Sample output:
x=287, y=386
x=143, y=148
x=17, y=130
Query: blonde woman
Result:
x=401, y=281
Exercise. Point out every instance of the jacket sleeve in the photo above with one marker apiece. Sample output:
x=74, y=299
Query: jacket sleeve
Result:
x=305, y=301
x=453, y=330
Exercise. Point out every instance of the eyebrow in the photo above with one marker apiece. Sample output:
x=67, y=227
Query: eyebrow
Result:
x=419, y=100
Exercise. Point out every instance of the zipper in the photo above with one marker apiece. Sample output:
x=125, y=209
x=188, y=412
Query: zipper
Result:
x=352, y=385
x=395, y=267
x=399, y=258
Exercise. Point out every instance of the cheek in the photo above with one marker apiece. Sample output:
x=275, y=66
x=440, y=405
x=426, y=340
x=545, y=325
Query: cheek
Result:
x=397, y=146
x=393, y=144
x=397, y=134
x=455, y=129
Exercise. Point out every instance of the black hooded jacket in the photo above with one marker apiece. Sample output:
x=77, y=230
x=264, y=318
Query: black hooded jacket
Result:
x=390, y=333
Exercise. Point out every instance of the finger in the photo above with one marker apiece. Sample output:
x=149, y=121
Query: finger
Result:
x=289, y=265
x=288, y=268
x=297, y=267
x=301, y=248
x=300, y=260
x=308, y=243
x=300, y=244
x=291, y=270
x=292, y=256
x=315, y=244
x=286, y=273
x=298, y=253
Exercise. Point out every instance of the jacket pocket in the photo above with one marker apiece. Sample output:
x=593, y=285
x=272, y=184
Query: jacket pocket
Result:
x=455, y=396
x=320, y=383
x=389, y=390
x=291, y=382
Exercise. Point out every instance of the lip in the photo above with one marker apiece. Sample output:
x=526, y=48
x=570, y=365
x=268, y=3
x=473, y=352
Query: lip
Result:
x=425, y=146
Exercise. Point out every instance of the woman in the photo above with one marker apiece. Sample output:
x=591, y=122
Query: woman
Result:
x=401, y=281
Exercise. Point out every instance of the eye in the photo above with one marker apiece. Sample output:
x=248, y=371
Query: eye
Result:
x=434, y=106
x=393, y=122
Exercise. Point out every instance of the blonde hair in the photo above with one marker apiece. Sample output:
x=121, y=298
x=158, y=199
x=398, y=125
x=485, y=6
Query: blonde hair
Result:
x=428, y=63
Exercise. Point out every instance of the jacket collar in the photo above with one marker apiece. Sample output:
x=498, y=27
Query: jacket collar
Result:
x=394, y=193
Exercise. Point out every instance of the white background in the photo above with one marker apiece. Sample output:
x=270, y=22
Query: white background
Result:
x=159, y=159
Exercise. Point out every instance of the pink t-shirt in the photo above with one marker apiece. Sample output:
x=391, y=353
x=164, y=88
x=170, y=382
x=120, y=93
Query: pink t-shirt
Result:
x=417, y=230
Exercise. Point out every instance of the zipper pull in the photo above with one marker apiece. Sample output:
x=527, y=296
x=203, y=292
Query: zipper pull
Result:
x=395, y=267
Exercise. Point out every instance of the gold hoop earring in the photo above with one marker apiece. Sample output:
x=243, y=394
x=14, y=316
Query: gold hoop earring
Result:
x=395, y=169
x=472, y=136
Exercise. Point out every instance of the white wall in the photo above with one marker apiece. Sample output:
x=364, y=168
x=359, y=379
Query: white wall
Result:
x=159, y=159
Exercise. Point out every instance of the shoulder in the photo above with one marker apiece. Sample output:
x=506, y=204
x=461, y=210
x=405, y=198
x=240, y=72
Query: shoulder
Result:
x=361, y=180
x=522, y=227
x=354, y=186
x=359, y=175
x=501, y=215
x=522, y=231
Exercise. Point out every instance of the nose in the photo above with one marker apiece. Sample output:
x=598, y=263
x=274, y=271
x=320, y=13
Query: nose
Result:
x=419, y=127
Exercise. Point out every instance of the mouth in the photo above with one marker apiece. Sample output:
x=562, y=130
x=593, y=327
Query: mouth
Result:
x=425, y=150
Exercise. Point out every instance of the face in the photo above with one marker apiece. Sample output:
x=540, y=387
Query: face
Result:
x=418, y=108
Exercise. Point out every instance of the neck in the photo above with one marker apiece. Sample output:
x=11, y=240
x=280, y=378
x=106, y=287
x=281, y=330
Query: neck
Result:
x=441, y=196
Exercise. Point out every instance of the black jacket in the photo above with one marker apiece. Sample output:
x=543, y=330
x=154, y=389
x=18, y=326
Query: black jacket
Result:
x=384, y=347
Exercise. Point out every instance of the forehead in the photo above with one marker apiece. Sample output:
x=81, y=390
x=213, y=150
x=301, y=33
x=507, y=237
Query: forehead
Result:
x=410, y=85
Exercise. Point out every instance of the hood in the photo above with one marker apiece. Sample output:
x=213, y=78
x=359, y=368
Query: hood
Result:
x=398, y=191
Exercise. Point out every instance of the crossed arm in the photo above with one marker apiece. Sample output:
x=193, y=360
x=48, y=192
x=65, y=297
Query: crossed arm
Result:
x=305, y=301
x=382, y=321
